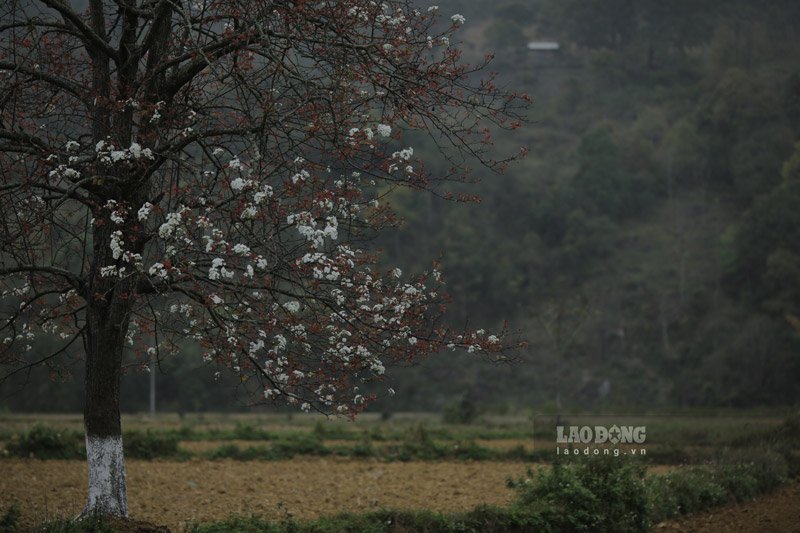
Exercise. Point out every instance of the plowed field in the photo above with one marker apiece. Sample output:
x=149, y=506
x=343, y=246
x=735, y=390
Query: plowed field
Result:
x=177, y=493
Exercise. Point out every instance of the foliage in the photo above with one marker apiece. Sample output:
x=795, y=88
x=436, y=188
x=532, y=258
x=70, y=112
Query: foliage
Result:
x=597, y=494
x=150, y=444
x=695, y=489
x=463, y=412
x=43, y=442
x=9, y=522
x=764, y=266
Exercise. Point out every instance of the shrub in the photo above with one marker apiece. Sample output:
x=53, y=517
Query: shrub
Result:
x=249, y=432
x=747, y=473
x=684, y=491
x=471, y=451
x=251, y=453
x=47, y=443
x=364, y=448
x=150, y=444
x=9, y=522
x=464, y=412
x=594, y=494
x=299, y=444
x=333, y=431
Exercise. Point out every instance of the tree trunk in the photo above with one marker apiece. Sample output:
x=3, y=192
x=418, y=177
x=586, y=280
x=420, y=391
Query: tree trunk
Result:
x=108, y=317
x=105, y=337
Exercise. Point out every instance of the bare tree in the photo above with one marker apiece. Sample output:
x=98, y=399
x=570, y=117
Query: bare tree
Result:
x=211, y=171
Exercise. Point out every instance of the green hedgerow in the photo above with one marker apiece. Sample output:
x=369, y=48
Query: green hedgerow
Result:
x=47, y=443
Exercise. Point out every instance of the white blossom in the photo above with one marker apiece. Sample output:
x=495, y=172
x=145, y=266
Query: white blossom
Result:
x=116, y=244
x=384, y=129
x=241, y=249
x=144, y=211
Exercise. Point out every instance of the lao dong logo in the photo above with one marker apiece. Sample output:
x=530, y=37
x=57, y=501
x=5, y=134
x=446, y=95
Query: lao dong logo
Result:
x=613, y=435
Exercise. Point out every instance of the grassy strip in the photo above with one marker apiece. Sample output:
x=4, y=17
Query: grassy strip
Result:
x=377, y=433
x=419, y=443
x=42, y=442
x=407, y=451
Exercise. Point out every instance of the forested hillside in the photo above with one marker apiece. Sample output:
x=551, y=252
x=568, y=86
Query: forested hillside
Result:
x=649, y=245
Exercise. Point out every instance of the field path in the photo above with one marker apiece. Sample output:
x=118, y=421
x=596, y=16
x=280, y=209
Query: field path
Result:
x=775, y=512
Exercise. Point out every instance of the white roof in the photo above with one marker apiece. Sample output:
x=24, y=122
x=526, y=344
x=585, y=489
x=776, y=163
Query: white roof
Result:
x=543, y=45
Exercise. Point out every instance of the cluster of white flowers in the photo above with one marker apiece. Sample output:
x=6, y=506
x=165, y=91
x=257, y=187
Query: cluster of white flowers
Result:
x=117, y=244
x=63, y=171
x=458, y=20
x=238, y=184
x=218, y=269
x=307, y=227
x=264, y=193
x=118, y=212
x=404, y=154
x=170, y=227
x=110, y=271
x=303, y=175
x=144, y=211
x=235, y=164
x=158, y=270
x=241, y=249
x=109, y=155
x=156, y=116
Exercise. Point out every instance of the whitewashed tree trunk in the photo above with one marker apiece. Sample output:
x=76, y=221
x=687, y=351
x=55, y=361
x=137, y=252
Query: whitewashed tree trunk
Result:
x=107, y=492
x=108, y=318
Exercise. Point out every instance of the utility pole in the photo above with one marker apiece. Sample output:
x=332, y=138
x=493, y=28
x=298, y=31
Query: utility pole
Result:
x=153, y=384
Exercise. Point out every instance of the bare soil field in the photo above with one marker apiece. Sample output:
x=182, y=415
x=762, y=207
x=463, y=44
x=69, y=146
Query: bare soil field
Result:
x=776, y=512
x=179, y=493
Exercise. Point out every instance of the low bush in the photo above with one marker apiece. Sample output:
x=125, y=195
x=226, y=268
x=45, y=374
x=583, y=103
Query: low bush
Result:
x=250, y=453
x=9, y=522
x=47, y=443
x=285, y=448
x=464, y=412
x=249, y=432
x=150, y=444
x=594, y=494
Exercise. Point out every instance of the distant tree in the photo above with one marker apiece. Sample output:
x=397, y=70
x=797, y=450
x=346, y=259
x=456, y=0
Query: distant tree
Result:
x=764, y=265
x=210, y=170
x=603, y=185
x=593, y=23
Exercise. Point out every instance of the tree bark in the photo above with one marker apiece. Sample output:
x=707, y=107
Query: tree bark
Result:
x=107, y=486
x=108, y=317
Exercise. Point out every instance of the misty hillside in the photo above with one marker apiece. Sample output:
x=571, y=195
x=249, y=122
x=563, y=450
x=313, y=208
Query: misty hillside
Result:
x=647, y=246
